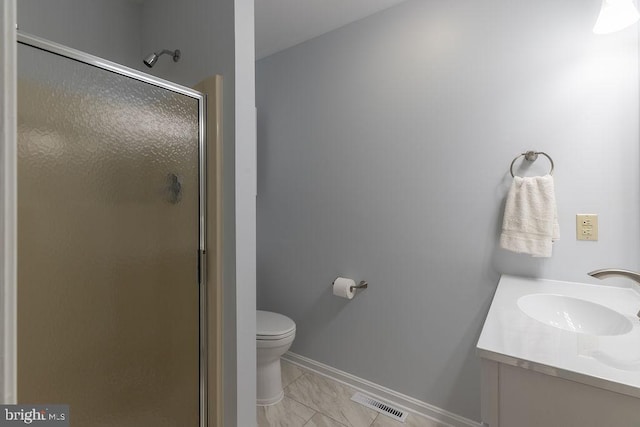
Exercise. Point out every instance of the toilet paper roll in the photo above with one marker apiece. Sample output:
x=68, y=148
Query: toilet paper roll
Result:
x=343, y=288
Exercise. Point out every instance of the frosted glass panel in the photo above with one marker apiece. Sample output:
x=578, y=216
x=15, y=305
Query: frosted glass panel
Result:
x=108, y=240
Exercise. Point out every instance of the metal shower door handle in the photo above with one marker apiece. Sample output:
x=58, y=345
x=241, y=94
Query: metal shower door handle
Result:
x=174, y=188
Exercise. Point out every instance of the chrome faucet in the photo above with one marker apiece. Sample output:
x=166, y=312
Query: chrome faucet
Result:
x=613, y=272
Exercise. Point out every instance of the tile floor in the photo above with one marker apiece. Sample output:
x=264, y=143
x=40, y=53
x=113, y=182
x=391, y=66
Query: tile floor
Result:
x=312, y=400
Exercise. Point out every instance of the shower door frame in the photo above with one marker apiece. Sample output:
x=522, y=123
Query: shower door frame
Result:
x=8, y=202
x=79, y=56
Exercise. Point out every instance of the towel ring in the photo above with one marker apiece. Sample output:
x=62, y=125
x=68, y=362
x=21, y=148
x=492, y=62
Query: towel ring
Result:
x=532, y=156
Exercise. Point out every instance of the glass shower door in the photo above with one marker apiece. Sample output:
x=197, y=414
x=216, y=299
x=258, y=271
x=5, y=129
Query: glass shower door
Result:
x=108, y=232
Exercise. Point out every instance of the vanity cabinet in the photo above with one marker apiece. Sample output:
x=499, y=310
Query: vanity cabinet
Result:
x=519, y=397
x=560, y=354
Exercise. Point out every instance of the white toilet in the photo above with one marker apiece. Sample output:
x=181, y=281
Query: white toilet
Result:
x=274, y=335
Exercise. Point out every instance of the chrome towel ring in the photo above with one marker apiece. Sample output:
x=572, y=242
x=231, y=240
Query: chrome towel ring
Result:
x=532, y=156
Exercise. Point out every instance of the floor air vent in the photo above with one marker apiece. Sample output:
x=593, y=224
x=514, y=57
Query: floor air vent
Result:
x=379, y=406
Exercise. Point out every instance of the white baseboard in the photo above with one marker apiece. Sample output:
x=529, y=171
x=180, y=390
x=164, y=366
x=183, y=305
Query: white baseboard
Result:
x=398, y=399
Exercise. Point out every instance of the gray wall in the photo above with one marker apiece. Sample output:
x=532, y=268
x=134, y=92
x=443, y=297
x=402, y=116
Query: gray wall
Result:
x=383, y=155
x=109, y=29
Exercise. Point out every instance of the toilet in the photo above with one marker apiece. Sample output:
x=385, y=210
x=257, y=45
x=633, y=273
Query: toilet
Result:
x=274, y=335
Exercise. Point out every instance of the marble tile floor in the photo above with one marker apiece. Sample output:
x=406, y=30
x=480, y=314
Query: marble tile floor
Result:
x=312, y=400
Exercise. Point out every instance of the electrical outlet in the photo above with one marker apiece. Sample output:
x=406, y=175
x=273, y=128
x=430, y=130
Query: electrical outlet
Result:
x=587, y=227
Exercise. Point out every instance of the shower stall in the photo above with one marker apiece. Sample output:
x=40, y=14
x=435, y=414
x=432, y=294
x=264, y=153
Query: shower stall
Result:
x=112, y=294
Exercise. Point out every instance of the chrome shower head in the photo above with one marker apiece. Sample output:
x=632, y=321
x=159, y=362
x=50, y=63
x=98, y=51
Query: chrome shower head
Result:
x=151, y=60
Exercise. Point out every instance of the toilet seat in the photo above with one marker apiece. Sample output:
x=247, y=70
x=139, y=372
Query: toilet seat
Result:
x=273, y=326
x=274, y=337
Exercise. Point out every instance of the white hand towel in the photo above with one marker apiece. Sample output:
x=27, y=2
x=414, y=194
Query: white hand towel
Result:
x=530, y=222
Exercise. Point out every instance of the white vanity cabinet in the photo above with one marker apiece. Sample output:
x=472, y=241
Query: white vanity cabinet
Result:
x=520, y=397
x=569, y=371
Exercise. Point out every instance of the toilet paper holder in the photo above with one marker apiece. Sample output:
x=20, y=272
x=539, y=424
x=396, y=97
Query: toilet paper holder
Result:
x=362, y=285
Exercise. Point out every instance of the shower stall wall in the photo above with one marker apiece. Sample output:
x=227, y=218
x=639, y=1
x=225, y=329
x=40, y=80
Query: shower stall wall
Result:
x=112, y=303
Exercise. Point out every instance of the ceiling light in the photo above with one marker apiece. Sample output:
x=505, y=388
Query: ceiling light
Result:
x=616, y=15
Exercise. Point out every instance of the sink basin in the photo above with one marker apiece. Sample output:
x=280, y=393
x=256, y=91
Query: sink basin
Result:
x=574, y=314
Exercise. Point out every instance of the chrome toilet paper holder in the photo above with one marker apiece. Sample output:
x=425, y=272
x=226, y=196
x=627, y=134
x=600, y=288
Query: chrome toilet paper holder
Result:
x=362, y=285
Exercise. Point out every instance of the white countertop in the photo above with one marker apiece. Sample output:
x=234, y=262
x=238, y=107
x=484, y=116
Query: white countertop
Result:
x=512, y=337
